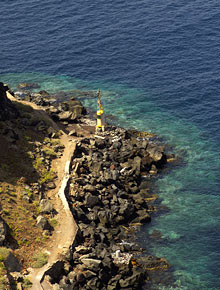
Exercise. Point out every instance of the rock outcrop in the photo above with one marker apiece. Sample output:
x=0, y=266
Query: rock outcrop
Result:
x=28, y=86
x=7, y=110
x=108, y=192
x=65, y=111
x=3, y=231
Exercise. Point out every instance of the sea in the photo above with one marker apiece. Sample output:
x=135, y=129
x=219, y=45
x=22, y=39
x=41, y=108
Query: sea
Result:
x=157, y=64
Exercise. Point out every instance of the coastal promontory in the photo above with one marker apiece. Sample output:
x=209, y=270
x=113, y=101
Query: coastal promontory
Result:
x=72, y=198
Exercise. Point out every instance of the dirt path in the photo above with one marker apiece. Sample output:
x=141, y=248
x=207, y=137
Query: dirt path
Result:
x=65, y=232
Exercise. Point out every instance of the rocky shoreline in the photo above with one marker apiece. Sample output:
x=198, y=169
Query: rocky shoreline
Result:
x=109, y=193
x=109, y=197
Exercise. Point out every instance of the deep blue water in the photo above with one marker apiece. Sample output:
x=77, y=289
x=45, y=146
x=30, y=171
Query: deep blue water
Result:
x=158, y=66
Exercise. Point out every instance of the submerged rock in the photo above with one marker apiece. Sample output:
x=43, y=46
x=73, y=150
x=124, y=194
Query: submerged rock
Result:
x=27, y=86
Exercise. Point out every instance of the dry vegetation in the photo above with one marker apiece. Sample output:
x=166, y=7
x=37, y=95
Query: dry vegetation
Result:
x=20, y=168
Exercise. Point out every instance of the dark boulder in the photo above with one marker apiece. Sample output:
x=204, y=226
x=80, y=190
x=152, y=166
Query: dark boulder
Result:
x=91, y=200
x=100, y=143
x=156, y=152
x=143, y=216
x=127, y=209
x=90, y=188
x=79, y=214
x=71, y=110
x=153, y=263
x=46, y=206
x=134, y=281
x=93, y=216
x=65, y=116
x=43, y=223
x=12, y=264
x=92, y=264
x=82, y=250
x=95, y=167
x=56, y=271
x=76, y=107
x=7, y=109
x=153, y=169
x=44, y=94
x=114, y=283
x=94, y=284
x=105, y=217
x=146, y=162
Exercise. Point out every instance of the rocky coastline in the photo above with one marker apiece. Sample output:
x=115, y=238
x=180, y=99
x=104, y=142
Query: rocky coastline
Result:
x=109, y=197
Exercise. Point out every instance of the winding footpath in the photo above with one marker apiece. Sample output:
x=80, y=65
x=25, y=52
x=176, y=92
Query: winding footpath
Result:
x=66, y=231
x=64, y=236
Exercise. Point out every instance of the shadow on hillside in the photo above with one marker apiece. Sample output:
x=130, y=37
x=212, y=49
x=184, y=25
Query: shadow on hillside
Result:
x=18, y=139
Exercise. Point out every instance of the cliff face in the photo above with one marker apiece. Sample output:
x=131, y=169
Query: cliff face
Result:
x=7, y=110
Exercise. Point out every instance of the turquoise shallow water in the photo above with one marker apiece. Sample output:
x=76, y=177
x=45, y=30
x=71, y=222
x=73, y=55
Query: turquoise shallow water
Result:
x=190, y=231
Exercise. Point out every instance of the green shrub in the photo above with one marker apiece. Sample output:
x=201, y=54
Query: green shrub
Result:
x=4, y=252
x=38, y=240
x=38, y=163
x=53, y=222
x=40, y=260
x=3, y=283
x=47, y=176
x=56, y=142
x=26, y=283
x=2, y=269
x=28, y=192
x=49, y=152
